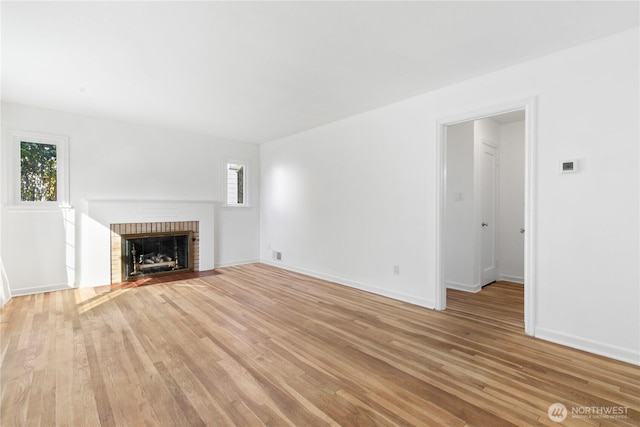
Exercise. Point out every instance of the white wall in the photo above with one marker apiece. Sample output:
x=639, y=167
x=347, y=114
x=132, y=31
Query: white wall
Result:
x=347, y=202
x=118, y=161
x=511, y=213
x=461, y=267
x=5, y=292
x=351, y=199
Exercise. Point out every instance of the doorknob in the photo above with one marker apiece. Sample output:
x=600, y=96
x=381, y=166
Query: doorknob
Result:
x=522, y=231
x=484, y=224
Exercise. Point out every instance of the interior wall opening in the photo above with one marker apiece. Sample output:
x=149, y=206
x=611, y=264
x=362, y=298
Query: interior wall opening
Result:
x=484, y=207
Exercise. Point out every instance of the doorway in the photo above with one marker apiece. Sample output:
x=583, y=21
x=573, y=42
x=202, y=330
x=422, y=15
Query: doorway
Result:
x=477, y=235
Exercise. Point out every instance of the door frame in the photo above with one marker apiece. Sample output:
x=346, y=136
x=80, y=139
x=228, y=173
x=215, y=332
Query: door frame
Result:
x=529, y=107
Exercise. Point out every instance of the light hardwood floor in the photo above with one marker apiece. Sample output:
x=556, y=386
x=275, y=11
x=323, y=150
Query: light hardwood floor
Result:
x=255, y=345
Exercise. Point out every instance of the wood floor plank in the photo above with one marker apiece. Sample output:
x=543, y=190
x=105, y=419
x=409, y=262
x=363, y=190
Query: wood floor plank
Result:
x=254, y=345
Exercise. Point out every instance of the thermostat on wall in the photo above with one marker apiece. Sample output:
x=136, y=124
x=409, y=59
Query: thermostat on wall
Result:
x=568, y=166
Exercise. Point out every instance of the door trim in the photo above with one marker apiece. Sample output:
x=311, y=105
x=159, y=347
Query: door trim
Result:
x=529, y=106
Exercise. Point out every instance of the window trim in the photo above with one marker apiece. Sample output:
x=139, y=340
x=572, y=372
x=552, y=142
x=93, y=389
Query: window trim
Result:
x=246, y=183
x=62, y=159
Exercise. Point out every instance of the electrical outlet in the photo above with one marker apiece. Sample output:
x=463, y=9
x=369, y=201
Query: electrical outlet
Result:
x=277, y=255
x=396, y=270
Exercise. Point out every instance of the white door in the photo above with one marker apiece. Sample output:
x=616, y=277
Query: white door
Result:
x=488, y=263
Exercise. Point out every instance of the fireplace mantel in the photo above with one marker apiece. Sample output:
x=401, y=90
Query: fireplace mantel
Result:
x=133, y=211
x=102, y=214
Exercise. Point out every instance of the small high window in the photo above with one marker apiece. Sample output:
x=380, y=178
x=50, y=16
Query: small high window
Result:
x=236, y=184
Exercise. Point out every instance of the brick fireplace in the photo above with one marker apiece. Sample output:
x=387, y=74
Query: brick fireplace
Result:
x=120, y=233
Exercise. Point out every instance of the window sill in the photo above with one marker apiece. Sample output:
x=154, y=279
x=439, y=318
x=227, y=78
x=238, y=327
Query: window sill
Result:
x=237, y=206
x=35, y=208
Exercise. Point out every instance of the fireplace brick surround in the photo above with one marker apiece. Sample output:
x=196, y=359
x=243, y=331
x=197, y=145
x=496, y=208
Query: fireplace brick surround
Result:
x=117, y=230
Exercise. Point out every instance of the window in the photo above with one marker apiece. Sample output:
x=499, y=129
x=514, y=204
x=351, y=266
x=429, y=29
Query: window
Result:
x=38, y=172
x=236, y=184
x=41, y=170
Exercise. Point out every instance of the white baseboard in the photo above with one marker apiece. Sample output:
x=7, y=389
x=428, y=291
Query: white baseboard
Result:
x=603, y=349
x=514, y=279
x=4, y=301
x=5, y=291
x=464, y=287
x=40, y=289
x=237, y=262
x=423, y=302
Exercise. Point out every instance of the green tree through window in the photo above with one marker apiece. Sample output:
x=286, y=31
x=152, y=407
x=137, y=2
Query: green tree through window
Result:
x=38, y=172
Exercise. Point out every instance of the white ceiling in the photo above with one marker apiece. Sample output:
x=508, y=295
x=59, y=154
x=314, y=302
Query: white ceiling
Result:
x=257, y=71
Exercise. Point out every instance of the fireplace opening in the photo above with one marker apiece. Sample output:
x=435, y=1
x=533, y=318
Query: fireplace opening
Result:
x=157, y=253
x=122, y=259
